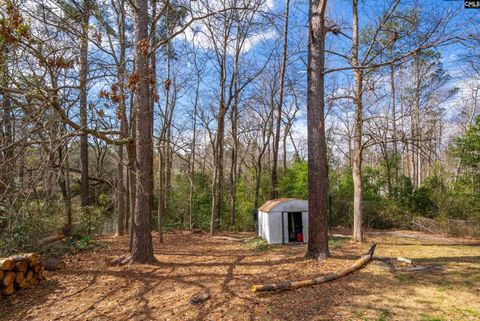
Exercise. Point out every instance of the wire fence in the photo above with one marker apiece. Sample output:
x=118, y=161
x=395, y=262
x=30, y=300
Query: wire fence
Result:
x=451, y=227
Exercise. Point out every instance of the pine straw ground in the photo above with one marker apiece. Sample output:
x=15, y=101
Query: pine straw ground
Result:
x=90, y=290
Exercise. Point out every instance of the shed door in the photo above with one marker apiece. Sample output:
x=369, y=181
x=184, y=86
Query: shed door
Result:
x=295, y=227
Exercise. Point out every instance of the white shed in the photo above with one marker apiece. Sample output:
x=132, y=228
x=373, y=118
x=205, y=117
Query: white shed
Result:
x=283, y=220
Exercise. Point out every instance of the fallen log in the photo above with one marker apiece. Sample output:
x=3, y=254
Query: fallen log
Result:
x=226, y=238
x=52, y=264
x=389, y=263
x=288, y=285
x=51, y=239
x=122, y=260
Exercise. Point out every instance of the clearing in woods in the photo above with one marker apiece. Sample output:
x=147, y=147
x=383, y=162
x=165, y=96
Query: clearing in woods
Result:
x=89, y=289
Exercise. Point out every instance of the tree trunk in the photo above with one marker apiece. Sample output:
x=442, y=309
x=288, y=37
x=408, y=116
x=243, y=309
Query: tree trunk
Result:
x=317, y=149
x=276, y=141
x=394, y=111
x=131, y=150
x=258, y=178
x=217, y=186
x=142, y=249
x=65, y=186
x=6, y=175
x=122, y=113
x=233, y=165
x=192, y=156
x=121, y=207
x=357, y=139
x=84, y=192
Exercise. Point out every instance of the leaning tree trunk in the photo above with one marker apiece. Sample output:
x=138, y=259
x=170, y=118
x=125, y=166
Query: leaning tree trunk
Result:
x=317, y=148
x=142, y=249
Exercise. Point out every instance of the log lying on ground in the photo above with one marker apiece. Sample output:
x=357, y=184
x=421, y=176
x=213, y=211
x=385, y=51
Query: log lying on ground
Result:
x=52, y=264
x=288, y=285
x=122, y=260
x=19, y=272
x=51, y=239
x=226, y=238
x=391, y=264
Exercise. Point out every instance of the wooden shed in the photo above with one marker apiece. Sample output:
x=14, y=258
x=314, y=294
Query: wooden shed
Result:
x=283, y=220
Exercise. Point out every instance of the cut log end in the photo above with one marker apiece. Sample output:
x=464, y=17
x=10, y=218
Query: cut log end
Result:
x=7, y=264
x=19, y=272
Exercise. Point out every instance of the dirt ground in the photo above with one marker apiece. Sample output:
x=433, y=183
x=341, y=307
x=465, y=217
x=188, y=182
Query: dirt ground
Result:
x=89, y=289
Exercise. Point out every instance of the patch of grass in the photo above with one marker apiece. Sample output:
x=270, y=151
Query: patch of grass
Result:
x=360, y=315
x=337, y=242
x=258, y=244
x=403, y=278
x=431, y=318
x=384, y=316
x=468, y=312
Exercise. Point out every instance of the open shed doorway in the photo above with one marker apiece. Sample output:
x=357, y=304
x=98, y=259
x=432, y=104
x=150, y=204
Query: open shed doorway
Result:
x=295, y=227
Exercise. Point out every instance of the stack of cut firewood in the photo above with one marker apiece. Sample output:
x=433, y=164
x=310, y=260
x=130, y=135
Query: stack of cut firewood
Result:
x=20, y=272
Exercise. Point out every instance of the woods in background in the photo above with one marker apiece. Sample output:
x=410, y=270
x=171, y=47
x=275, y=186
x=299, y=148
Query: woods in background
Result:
x=191, y=114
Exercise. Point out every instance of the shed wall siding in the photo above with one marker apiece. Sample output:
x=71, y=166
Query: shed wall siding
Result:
x=305, y=226
x=275, y=227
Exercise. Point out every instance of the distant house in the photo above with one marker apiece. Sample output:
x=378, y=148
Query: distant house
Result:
x=283, y=220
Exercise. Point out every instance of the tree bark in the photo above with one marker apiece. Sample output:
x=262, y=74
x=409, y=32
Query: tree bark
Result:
x=234, y=159
x=192, y=155
x=84, y=192
x=65, y=186
x=142, y=249
x=357, y=138
x=131, y=151
x=122, y=113
x=317, y=150
x=6, y=175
